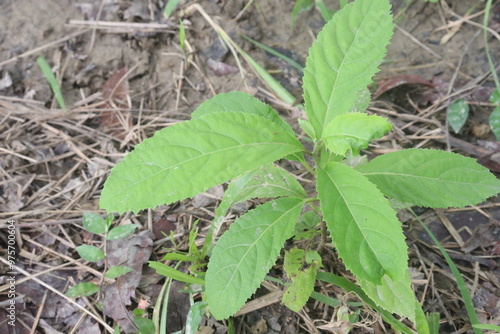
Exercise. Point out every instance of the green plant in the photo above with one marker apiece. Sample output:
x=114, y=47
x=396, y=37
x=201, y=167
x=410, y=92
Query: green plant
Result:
x=93, y=223
x=54, y=85
x=234, y=137
x=305, y=5
x=170, y=6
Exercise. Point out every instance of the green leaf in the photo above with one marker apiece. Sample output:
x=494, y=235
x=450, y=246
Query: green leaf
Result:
x=431, y=178
x=495, y=97
x=146, y=326
x=109, y=220
x=344, y=58
x=175, y=274
x=307, y=127
x=90, y=253
x=246, y=252
x=363, y=226
x=179, y=257
x=189, y=157
x=266, y=181
x=457, y=113
x=333, y=302
x=354, y=131
x=240, y=102
x=425, y=324
x=93, y=223
x=139, y=312
x=487, y=327
x=495, y=122
x=298, y=293
x=362, y=102
x=394, y=296
x=117, y=271
x=433, y=322
x=308, y=220
x=326, y=13
x=121, y=232
x=170, y=7
x=300, y=6
x=311, y=256
x=303, y=280
x=194, y=316
x=275, y=53
x=182, y=35
x=294, y=259
x=54, y=85
x=82, y=290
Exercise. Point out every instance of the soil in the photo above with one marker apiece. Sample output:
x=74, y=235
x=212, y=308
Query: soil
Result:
x=123, y=76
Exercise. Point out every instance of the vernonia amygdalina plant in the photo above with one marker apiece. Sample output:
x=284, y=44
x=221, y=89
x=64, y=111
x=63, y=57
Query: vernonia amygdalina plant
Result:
x=236, y=138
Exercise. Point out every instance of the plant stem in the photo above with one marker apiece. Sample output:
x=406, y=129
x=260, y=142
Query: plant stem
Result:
x=322, y=242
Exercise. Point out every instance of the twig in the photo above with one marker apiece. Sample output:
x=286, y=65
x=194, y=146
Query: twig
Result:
x=25, y=273
x=416, y=41
x=39, y=313
x=43, y=47
x=122, y=25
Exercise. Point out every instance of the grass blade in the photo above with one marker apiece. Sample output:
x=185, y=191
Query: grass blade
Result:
x=351, y=287
x=433, y=321
x=170, y=7
x=275, y=53
x=54, y=85
x=469, y=306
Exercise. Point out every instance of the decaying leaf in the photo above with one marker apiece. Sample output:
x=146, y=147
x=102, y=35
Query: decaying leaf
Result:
x=133, y=252
x=115, y=118
x=220, y=69
x=399, y=80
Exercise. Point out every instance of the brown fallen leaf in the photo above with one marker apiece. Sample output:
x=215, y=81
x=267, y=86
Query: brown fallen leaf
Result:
x=133, y=252
x=398, y=80
x=483, y=235
x=162, y=228
x=486, y=298
x=116, y=118
x=208, y=197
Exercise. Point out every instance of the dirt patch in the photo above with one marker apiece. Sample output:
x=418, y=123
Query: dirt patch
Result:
x=124, y=76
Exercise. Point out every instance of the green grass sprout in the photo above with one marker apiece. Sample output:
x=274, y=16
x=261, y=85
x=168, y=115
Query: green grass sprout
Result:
x=170, y=7
x=469, y=306
x=275, y=53
x=54, y=85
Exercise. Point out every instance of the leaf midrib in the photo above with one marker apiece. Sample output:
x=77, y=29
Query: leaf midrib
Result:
x=164, y=169
x=428, y=178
